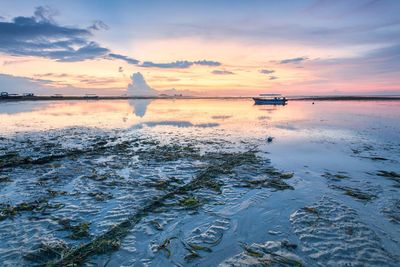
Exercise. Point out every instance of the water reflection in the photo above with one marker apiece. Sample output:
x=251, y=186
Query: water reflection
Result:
x=139, y=106
x=239, y=117
x=18, y=107
x=179, y=124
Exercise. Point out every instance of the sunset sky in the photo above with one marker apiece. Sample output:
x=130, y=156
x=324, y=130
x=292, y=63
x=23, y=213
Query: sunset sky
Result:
x=212, y=48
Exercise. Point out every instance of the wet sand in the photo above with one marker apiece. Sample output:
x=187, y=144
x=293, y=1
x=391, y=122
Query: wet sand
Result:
x=199, y=182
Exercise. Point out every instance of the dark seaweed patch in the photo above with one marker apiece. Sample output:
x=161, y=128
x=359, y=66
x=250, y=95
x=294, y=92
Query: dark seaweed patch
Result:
x=49, y=250
x=78, y=231
x=189, y=202
x=170, y=152
x=276, y=184
x=394, y=176
x=8, y=211
x=272, y=253
x=219, y=164
x=376, y=158
x=392, y=211
x=4, y=179
x=272, y=172
x=100, y=196
x=165, y=246
x=355, y=193
x=335, y=176
x=156, y=225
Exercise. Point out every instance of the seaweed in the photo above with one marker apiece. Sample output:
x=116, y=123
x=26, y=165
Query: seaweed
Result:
x=192, y=249
x=163, y=185
x=199, y=247
x=274, y=173
x=378, y=158
x=55, y=193
x=389, y=174
x=47, y=250
x=286, y=244
x=222, y=163
x=96, y=177
x=189, y=202
x=354, y=192
x=267, y=257
x=170, y=152
x=156, y=225
x=14, y=160
x=104, y=245
x=252, y=252
x=274, y=183
x=164, y=246
x=336, y=176
x=4, y=179
x=100, y=196
x=392, y=211
x=8, y=211
x=311, y=210
x=278, y=184
x=78, y=231
x=192, y=255
x=394, y=176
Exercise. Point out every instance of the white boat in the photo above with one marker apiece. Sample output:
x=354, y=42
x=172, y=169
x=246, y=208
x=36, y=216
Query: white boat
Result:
x=270, y=99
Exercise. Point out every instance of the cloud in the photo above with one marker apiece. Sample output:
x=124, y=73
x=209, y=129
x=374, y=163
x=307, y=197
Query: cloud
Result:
x=125, y=58
x=293, y=60
x=98, y=25
x=265, y=71
x=222, y=72
x=39, y=35
x=139, y=86
x=90, y=51
x=207, y=63
x=45, y=13
x=53, y=75
x=273, y=77
x=17, y=84
x=12, y=62
x=376, y=62
x=177, y=64
x=180, y=64
x=83, y=79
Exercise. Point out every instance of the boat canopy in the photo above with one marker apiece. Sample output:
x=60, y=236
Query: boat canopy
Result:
x=270, y=94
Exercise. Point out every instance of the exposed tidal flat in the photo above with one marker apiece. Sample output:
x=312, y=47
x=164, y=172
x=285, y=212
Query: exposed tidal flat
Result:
x=199, y=182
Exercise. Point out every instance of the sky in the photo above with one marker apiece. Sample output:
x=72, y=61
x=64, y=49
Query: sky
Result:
x=210, y=48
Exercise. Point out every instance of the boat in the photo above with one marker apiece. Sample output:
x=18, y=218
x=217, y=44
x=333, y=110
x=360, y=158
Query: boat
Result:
x=270, y=99
x=57, y=96
x=91, y=96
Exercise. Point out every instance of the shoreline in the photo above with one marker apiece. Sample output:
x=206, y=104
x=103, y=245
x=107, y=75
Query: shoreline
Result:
x=307, y=98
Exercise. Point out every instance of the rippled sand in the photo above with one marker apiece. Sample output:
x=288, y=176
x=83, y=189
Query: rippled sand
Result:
x=199, y=182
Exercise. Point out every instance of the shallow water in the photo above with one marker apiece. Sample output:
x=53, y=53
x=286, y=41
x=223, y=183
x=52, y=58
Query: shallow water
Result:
x=197, y=183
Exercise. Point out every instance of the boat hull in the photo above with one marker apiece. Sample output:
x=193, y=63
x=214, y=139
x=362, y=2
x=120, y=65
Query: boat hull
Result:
x=262, y=101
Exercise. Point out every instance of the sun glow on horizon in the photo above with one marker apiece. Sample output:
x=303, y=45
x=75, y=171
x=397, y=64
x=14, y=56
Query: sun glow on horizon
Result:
x=210, y=53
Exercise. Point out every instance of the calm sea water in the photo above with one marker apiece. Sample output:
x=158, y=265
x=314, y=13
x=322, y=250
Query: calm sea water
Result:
x=199, y=182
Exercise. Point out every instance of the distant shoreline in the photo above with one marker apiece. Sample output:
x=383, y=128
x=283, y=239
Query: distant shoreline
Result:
x=306, y=98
